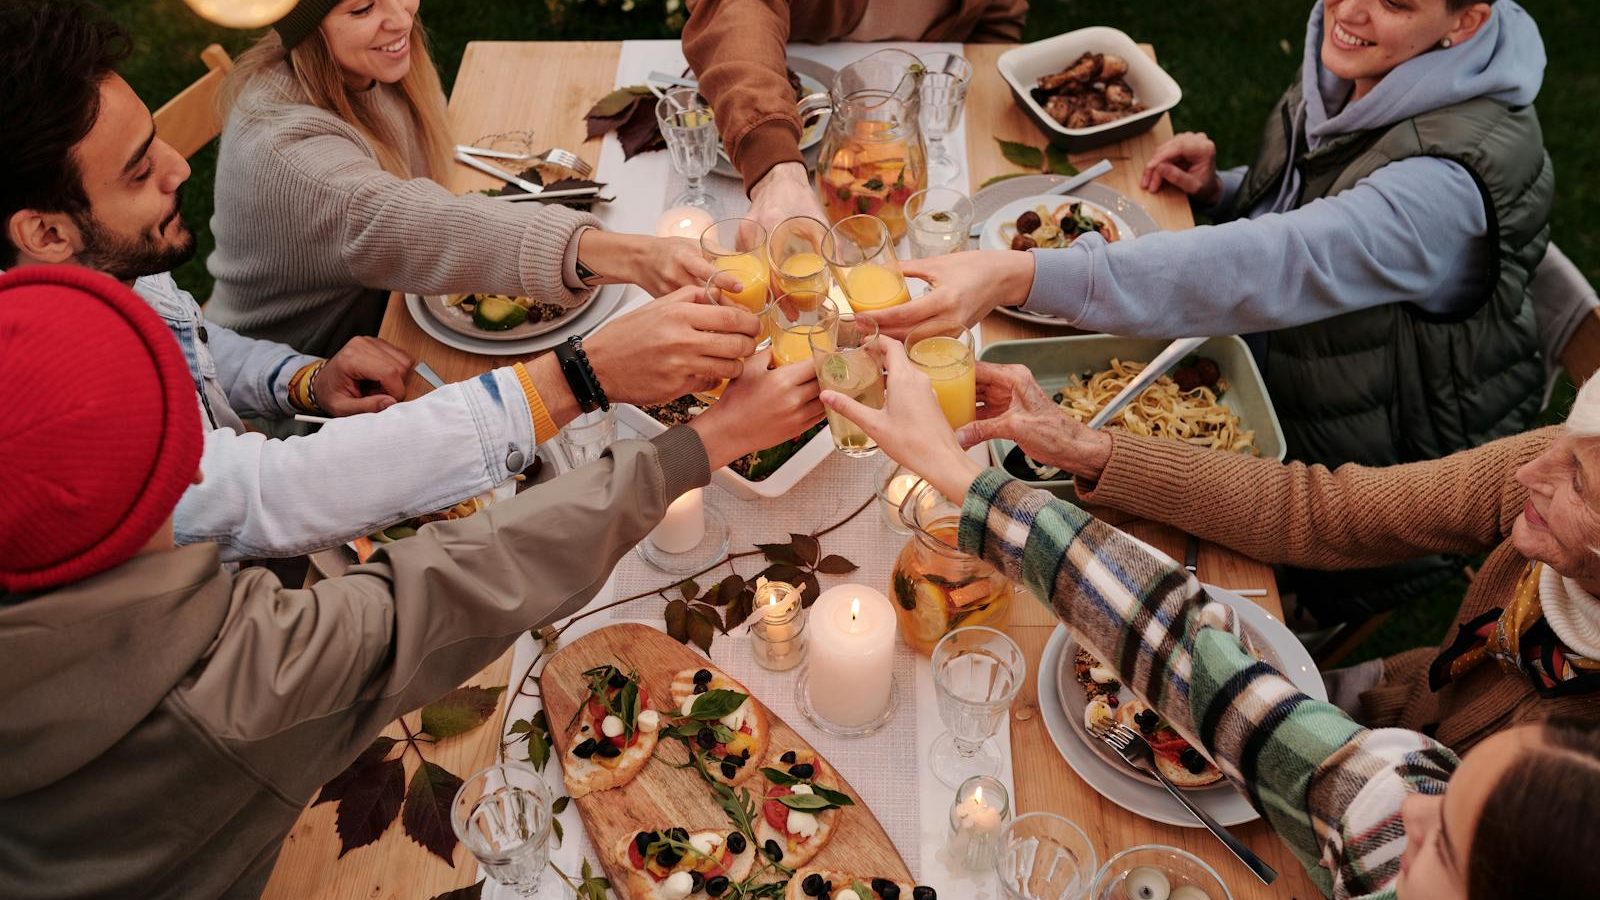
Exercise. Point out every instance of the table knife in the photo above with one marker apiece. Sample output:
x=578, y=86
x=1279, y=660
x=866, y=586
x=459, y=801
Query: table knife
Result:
x=429, y=375
x=533, y=190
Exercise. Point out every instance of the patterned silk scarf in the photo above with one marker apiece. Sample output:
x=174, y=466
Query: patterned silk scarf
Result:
x=1519, y=639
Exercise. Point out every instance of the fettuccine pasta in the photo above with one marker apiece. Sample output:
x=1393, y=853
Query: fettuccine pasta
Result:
x=1161, y=410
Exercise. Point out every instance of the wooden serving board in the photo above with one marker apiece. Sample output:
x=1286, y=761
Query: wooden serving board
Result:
x=662, y=796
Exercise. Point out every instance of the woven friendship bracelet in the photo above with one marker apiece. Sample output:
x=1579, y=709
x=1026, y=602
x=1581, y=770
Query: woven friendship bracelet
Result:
x=544, y=427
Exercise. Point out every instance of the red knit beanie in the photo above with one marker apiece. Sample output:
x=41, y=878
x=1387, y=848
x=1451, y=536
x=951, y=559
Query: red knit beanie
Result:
x=99, y=426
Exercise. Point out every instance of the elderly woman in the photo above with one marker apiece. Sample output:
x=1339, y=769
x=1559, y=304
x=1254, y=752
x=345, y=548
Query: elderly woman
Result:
x=1386, y=813
x=1526, y=642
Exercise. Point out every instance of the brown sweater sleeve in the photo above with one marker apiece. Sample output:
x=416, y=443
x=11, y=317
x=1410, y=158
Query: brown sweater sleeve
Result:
x=1309, y=516
x=736, y=48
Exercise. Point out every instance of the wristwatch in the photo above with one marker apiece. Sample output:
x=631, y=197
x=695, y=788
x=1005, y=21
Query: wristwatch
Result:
x=580, y=375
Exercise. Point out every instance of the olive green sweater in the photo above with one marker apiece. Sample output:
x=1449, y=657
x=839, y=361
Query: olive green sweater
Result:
x=312, y=233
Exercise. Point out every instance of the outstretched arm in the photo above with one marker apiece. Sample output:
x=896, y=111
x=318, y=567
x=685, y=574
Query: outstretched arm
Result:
x=737, y=50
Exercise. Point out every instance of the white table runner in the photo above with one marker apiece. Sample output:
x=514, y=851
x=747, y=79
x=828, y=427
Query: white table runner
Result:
x=889, y=769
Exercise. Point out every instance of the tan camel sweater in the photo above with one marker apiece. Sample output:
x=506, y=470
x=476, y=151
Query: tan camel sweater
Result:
x=1356, y=517
x=312, y=233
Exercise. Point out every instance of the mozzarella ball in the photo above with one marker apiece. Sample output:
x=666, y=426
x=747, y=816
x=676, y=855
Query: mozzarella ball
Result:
x=649, y=720
x=677, y=886
x=611, y=726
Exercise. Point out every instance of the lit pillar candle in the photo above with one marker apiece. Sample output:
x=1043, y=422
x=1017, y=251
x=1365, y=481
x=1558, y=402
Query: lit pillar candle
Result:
x=851, y=657
x=684, y=526
x=683, y=221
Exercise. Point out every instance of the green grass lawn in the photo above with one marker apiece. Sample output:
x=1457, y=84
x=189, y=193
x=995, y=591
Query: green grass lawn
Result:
x=1232, y=59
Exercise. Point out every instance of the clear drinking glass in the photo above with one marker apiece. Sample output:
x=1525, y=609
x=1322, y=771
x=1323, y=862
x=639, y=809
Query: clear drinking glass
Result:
x=944, y=96
x=943, y=350
x=1045, y=857
x=940, y=219
x=1123, y=874
x=586, y=438
x=860, y=252
x=977, y=672
x=691, y=135
x=719, y=292
x=502, y=815
x=794, y=252
x=846, y=362
x=792, y=319
x=739, y=247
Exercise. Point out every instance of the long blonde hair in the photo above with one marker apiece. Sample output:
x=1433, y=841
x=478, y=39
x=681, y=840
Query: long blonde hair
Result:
x=323, y=84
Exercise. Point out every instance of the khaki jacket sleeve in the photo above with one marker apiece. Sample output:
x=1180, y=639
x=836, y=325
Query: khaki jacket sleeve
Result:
x=300, y=681
x=1308, y=516
x=736, y=48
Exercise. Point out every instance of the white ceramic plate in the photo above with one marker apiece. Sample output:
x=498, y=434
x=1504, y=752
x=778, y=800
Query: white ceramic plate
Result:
x=605, y=302
x=991, y=238
x=1127, y=790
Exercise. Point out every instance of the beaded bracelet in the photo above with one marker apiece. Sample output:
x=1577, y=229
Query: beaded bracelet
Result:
x=302, y=387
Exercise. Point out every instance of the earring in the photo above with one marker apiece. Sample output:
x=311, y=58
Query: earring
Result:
x=1446, y=43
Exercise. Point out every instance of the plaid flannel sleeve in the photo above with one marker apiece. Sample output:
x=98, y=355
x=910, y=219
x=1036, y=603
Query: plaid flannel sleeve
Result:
x=1331, y=789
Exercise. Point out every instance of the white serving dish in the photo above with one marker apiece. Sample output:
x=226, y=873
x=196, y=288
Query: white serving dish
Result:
x=1023, y=66
x=775, y=485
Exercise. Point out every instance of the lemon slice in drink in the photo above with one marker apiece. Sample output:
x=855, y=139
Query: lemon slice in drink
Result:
x=931, y=619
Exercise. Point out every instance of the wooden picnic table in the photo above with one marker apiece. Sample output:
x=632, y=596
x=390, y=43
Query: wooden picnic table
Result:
x=546, y=87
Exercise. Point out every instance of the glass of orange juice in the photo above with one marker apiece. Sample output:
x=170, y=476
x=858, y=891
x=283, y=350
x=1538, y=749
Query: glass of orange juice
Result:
x=794, y=251
x=861, y=254
x=943, y=350
x=719, y=291
x=793, y=319
x=739, y=247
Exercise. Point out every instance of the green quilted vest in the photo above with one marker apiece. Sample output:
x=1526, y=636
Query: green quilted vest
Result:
x=1393, y=383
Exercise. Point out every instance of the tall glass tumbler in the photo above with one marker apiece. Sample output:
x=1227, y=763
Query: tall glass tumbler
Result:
x=943, y=350
x=794, y=251
x=938, y=221
x=861, y=254
x=739, y=247
x=502, y=814
x=846, y=362
x=691, y=134
x=792, y=319
x=944, y=97
x=1045, y=857
x=977, y=672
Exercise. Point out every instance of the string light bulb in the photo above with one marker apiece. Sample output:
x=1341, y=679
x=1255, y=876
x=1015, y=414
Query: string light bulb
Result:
x=242, y=13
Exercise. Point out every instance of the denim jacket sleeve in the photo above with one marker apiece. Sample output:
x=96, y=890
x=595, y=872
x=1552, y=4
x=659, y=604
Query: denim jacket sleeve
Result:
x=254, y=374
x=262, y=497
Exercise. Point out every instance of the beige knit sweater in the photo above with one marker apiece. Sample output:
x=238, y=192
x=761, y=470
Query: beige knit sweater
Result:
x=312, y=233
x=1358, y=517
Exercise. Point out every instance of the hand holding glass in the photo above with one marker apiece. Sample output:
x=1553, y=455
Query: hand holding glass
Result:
x=847, y=362
x=943, y=350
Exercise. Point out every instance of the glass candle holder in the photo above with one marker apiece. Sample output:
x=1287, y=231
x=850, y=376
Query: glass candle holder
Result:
x=980, y=812
x=894, y=483
x=778, y=626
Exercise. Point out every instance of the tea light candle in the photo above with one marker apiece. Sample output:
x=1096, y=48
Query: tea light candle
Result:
x=684, y=526
x=976, y=819
x=778, y=634
x=683, y=221
x=850, y=678
x=893, y=492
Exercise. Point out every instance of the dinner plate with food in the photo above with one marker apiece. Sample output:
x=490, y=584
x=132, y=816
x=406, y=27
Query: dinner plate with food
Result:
x=1051, y=222
x=1076, y=688
x=503, y=325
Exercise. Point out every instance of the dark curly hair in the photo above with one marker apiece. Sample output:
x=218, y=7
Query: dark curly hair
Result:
x=54, y=55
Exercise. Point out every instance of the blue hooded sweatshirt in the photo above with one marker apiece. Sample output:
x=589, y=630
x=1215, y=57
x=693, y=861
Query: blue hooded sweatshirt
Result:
x=1414, y=231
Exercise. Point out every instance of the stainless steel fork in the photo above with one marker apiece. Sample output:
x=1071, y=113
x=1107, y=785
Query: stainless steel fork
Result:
x=1136, y=752
x=555, y=156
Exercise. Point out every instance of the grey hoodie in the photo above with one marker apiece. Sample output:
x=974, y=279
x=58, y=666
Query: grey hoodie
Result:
x=1415, y=231
x=165, y=722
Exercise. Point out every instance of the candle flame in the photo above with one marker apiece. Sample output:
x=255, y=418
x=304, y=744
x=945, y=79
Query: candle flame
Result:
x=855, y=609
x=977, y=794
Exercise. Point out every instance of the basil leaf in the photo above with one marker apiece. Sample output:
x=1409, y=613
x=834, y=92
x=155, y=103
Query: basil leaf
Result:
x=806, y=802
x=715, y=704
x=834, y=797
x=780, y=778
x=721, y=732
x=628, y=700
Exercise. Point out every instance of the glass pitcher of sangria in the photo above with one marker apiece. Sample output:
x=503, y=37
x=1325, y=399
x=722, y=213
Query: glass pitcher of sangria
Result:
x=935, y=587
x=873, y=157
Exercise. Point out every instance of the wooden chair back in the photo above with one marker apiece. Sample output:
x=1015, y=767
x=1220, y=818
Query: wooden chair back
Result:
x=191, y=120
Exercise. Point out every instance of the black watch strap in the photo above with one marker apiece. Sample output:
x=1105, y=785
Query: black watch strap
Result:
x=580, y=375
